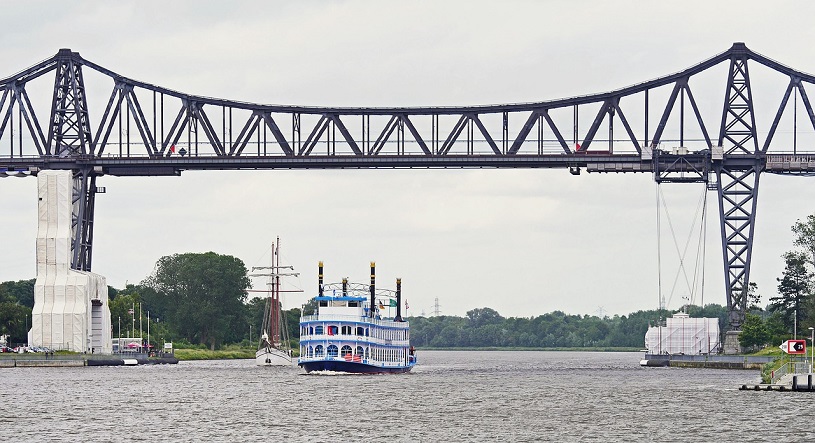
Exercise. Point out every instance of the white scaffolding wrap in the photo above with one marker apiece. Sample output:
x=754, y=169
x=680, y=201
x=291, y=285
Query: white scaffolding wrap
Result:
x=684, y=335
x=70, y=307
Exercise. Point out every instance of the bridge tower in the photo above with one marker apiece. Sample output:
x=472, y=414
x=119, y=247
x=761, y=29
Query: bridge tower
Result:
x=737, y=184
x=69, y=135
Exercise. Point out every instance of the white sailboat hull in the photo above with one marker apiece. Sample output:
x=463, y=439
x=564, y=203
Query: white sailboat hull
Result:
x=272, y=357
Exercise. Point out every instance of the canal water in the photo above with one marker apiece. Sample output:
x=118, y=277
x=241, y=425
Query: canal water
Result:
x=513, y=396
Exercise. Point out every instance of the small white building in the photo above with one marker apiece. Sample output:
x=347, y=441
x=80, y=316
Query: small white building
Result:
x=684, y=335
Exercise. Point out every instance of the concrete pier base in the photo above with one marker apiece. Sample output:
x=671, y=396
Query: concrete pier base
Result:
x=731, y=343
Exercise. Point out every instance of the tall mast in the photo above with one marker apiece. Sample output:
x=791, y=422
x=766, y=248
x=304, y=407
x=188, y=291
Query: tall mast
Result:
x=274, y=311
x=274, y=314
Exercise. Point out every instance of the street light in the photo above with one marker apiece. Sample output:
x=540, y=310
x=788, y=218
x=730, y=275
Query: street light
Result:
x=812, y=348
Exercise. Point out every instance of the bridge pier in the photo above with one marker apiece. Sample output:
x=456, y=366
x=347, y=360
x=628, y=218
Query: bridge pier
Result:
x=70, y=306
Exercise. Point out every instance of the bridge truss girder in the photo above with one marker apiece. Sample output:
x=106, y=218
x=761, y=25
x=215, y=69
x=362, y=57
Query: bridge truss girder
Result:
x=148, y=130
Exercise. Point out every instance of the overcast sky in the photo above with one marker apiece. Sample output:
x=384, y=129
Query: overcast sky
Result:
x=524, y=242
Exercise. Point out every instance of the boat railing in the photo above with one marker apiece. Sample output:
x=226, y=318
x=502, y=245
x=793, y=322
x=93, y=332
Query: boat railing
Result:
x=358, y=339
x=355, y=318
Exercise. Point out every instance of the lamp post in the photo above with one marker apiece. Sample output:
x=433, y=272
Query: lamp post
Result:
x=812, y=348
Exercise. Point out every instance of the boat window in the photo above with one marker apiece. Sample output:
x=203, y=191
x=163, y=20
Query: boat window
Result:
x=367, y=352
x=318, y=330
x=323, y=303
x=366, y=332
x=360, y=351
x=332, y=330
x=346, y=330
x=310, y=330
x=353, y=304
x=346, y=350
x=360, y=330
x=310, y=351
x=318, y=351
x=332, y=350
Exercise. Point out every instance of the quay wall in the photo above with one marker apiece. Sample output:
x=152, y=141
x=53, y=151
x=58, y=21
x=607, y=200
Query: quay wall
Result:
x=708, y=361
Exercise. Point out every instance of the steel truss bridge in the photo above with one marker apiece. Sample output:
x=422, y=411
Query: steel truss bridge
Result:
x=94, y=122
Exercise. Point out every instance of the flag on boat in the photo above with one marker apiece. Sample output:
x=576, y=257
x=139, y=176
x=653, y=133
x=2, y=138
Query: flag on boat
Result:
x=393, y=303
x=380, y=305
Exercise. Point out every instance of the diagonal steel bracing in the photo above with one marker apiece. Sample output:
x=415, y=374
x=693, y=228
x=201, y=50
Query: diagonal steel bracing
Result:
x=69, y=131
x=84, y=198
x=738, y=189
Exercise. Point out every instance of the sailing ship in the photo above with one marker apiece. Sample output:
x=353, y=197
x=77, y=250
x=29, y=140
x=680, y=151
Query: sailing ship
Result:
x=350, y=333
x=273, y=346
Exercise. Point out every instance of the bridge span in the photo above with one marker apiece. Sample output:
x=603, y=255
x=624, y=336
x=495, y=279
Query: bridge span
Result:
x=687, y=127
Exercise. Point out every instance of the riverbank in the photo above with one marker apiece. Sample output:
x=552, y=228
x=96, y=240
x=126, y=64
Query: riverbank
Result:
x=42, y=360
x=221, y=354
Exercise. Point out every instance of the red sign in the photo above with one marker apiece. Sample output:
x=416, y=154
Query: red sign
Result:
x=794, y=346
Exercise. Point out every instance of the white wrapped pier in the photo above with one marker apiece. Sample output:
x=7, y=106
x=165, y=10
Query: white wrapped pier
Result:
x=684, y=335
x=70, y=307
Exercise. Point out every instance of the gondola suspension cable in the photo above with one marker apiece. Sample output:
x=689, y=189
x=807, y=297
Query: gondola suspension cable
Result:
x=701, y=206
x=659, y=249
x=699, y=268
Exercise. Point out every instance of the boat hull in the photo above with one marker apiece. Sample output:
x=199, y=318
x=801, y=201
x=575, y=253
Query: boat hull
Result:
x=272, y=357
x=351, y=367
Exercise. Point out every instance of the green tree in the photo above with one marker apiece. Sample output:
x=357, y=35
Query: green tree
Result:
x=124, y=314
x=794, y=288
x=255, y=308
x=776, y=328
x=753, y=297
x=805, y=236
x=13, y=320
x=202, y=295
x=484, y=316
x=754, y=333
x=21, y=291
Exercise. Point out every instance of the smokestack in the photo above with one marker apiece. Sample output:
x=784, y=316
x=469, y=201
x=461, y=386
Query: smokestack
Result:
x=345, y=287
x=398, y=300
x=373, y=289
x=320, y=279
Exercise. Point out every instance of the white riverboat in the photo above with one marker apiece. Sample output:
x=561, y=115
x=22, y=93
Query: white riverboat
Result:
x=351, y=330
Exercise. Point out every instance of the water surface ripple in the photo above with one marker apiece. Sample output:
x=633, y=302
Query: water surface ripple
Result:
x=514, y=396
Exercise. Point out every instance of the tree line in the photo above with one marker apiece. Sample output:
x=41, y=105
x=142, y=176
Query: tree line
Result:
x=485, y=327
